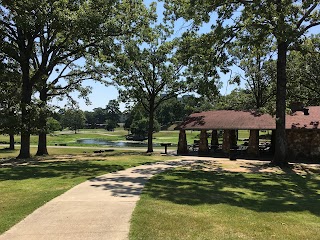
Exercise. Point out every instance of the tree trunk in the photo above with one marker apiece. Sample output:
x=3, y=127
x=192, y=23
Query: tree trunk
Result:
x=11, y=146
x=25, y=116
x=42, y=140
x=150, y=128
x=280, y=157
x=42, y=144
x=25, y=145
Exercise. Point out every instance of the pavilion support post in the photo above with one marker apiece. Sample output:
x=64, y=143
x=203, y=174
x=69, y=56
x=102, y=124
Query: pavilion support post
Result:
x=203, y=144
x=233, y=138
x=253, y=147
x=229, y=140
x=226, y=141
x=182, y=144
x=214, y=138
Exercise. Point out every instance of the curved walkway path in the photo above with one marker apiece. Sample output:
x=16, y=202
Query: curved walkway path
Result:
x=100, y=208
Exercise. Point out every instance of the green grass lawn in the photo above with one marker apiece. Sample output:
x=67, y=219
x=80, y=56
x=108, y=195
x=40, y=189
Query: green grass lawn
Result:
x=70, y=138
x=185, y=204
x=24, y=188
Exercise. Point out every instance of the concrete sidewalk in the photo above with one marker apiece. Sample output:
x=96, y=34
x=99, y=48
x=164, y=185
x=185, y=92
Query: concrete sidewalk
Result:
x=100, y=208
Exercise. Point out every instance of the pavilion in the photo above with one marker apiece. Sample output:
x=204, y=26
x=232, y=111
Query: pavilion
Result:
x=303, y=134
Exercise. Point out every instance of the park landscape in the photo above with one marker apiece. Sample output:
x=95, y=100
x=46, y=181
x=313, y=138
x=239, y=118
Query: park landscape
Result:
x=167, y=59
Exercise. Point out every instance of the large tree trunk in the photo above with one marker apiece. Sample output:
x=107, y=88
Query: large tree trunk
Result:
x=11, y=145
x=25, y=114
x=280, y=157
x=42, y=142
x=150, y=128
x=25, y=145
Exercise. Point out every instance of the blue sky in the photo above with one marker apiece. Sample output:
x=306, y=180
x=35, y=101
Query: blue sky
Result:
x=101, y=94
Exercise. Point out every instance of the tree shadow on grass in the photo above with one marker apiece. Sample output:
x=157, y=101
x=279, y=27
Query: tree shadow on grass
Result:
x=64, y=169
x=126, y=185
x=257, y=192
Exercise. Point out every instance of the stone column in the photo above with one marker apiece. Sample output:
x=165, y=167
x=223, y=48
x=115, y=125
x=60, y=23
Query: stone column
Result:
x=226, y=141
x=229, y=140
x=233, y=138
x=253, y=147
x=203, y=144
x=214, y=138
x=182, y=144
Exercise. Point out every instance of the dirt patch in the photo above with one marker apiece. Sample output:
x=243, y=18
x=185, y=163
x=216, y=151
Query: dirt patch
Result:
x=252, y=166
x=194, y=163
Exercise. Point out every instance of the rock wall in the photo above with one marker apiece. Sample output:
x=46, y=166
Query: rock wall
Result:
x=303, y=145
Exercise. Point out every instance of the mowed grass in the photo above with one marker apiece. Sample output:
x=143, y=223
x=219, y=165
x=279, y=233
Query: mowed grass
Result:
x=185, y=204
x=70, y=138
x=6, y=153
x=25, y=187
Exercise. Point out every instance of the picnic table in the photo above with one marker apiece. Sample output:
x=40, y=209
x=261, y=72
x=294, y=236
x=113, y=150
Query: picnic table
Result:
x=165, y=146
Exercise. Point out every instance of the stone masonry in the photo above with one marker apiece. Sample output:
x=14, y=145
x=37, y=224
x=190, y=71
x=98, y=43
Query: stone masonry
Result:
x=303, y=144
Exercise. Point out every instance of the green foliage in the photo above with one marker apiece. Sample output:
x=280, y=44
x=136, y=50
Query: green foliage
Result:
x=74, y=119
x=53, y=125
x=259, y=72
x=283, y=23
x=113, y=111
x=141, y=127
x=304, y=73
x=111, y=125
x=9, y=97
x=46, y=36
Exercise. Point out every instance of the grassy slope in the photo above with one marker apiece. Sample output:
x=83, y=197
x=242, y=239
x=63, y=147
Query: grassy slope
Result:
x=182, y=204
x=25, y=188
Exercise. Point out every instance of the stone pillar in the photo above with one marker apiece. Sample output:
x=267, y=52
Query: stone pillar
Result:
x=233, y=138
x=182, y=144
x=229, y=140
x=253, y=147
x=214, y=138
x=226, y=141
x=203, y=144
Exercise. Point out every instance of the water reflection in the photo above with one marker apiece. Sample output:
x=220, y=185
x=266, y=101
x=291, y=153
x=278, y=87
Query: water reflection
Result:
x=115, y=144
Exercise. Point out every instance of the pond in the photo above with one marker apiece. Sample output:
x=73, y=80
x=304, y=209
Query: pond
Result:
x=115, y=144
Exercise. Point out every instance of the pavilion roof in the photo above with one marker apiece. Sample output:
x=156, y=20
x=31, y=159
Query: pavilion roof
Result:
x=247, y=120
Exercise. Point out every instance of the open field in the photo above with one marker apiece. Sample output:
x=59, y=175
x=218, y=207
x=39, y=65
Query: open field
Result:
x=27, y=185
x=230, y=200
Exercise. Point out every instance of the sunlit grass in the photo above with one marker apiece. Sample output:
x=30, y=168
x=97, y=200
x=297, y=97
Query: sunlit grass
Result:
x=182, y=204
x=69, y=138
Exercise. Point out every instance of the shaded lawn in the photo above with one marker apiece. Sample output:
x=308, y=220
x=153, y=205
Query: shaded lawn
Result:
x=24, y=188
x=182, y=204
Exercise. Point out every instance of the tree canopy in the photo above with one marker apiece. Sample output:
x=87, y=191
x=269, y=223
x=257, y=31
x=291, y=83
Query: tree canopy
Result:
x=47, y=37
x=285, y=23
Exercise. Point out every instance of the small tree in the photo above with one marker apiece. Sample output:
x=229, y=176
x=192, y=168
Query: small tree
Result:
x=53, y=125
x=74, y=119
x=112, y=114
